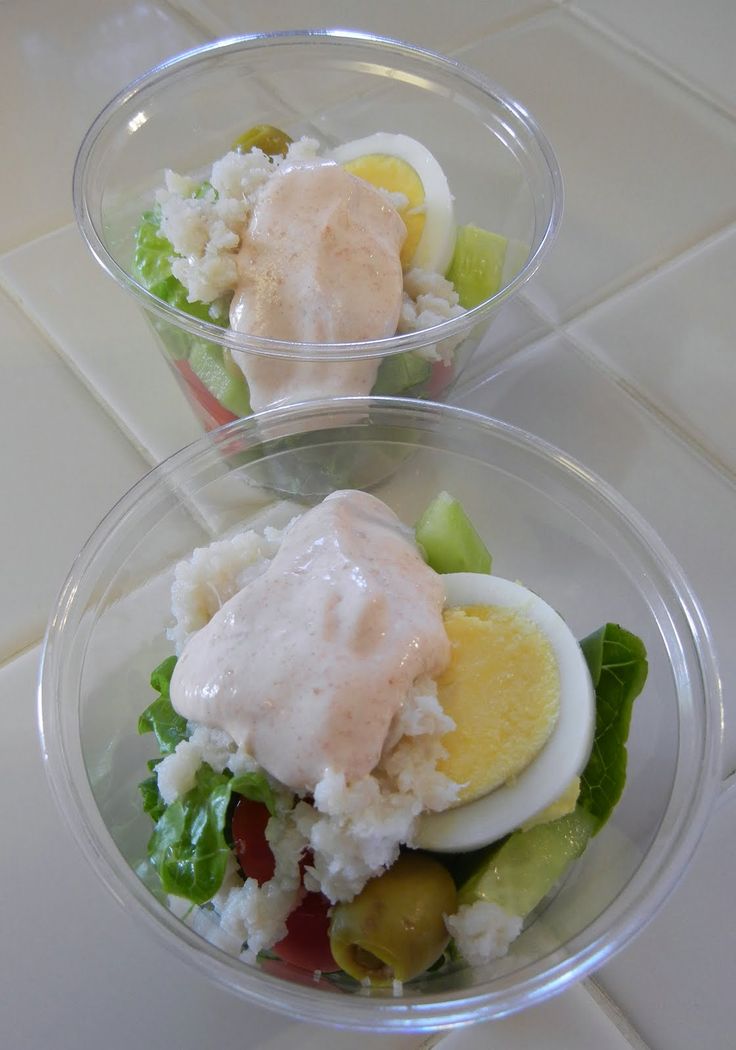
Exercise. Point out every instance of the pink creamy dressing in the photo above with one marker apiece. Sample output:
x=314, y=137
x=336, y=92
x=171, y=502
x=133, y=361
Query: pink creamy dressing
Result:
x=308, y=664
x=319, y=264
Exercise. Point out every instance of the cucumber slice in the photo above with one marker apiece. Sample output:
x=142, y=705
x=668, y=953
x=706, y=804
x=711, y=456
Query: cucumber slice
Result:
x=221, y=376
x=520, y=872
x=448, y=538
x=400, y=372
x=477, y=264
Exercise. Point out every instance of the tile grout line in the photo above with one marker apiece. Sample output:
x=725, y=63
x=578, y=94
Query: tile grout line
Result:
x=9, y=658
x=619, y=41
x=197, y=21
x=639, y=51
x=661, y=418
x=55, y=348
x=684, y=255
x=648, y=272
x=511, y=21
x=203, y=18
x=614, y=1013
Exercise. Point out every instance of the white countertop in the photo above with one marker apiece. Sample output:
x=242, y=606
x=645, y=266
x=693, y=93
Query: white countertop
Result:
x=624, y=356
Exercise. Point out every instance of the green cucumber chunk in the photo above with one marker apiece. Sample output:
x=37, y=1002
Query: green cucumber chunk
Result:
x=448, y=538
x=401, y=372
x=221, y=376
x=520, y=872
x=477, y=265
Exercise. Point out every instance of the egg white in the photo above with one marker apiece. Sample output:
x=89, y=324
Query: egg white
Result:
x=486, y=819
x=437, y=243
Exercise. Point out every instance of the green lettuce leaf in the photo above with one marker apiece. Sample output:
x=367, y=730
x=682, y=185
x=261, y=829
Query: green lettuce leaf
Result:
x=160, y=717
x=153, y=804
x=617, y=661
x=152, y=262
x=257, y=788
x=188, y=847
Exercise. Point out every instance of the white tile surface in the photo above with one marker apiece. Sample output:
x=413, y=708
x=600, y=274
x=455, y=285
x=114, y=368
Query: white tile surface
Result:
x=83, y=973
x=554, y=392
x=696, y=41
x=104, y=335
x=687, y=953
x=62, y=466
x=636, y=153
x=58, y=68
x=431, y=24
x=671, y=338
x=572, y=1021
x=517, y=325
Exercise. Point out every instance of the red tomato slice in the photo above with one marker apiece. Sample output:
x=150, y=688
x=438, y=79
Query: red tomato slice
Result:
x=249, y=839
x=307, y=942
x=439, y=378
x=214, y=413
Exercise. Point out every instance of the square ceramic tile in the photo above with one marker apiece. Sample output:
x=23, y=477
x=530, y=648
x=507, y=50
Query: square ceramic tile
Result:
x=516, y=326
x=636, y=152
x=64, y=464
x=103, y=333
x=60, y=64
x=572, y=1021
x=553, y=391
x=299, y=98
x=686, y=958
x=671, y=337
x=81, y=972
x=430, y=24
x=695, y=41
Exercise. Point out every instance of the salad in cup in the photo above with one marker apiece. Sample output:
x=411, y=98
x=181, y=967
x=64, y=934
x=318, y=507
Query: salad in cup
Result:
x=354, y=735
x=303, y=244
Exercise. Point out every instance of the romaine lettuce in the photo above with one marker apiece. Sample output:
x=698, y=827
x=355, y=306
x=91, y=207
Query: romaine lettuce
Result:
x=188, y=848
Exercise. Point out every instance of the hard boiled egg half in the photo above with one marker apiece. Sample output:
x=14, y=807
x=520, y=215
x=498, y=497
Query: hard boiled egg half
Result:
x=401, y=165
x=520, y=693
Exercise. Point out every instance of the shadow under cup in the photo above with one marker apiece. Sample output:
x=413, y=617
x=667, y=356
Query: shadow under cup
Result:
x=547, y=522
x=335, y=86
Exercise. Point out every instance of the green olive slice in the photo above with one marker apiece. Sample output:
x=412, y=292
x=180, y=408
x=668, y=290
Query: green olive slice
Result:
x=272, y=141
x=395, y=928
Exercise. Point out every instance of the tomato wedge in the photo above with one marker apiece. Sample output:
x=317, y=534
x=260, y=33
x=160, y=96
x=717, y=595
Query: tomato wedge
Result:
x=439, y=378
x=307, y=942
x=250, y=842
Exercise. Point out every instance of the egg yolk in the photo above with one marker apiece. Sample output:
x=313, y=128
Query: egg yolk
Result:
x=396, y=176
x=502, y=689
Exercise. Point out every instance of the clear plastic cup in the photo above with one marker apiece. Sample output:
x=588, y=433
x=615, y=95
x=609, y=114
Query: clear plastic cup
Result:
x=336, y=86
x=547, y=522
